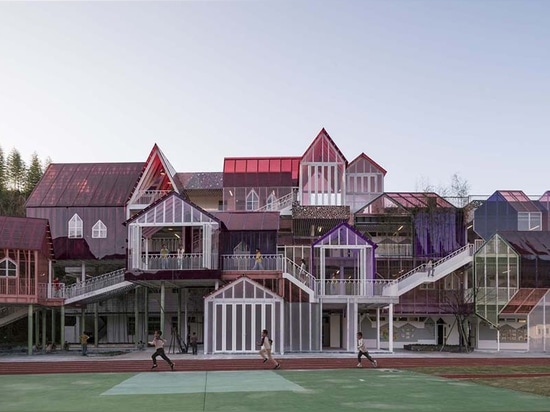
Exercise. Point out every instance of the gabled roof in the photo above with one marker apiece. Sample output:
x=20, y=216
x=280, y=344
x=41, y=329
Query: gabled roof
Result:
x=201, y=180
x=85, y=185
x=242, y=221
x=364, y=157
x=516, y=199
x=415, y=200
x=323, y=135
x=346, y=235
x=528, y=243
x=523, y=302
x=243, y=287
x=26, y=233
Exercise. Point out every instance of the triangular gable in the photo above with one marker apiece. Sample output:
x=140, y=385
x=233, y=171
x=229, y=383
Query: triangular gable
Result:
x=172, y=209
x=157, y=175
x=243, y=288
x=380, y=206
x=344, y=234
x=355, y=165
x=323, y=149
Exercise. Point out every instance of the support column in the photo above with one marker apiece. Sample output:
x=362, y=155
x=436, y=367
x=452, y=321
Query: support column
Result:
x=146, y=315
x=179, y=313
x=82, y=320
x=136, y=316
x=37, y=329
x=44, y=319
x=96, y=325
x=62, y=326
x=390, y=328
x=186, y=316
x=162, y=305
x=53, y=326
x=30, y=329
x=378, y=328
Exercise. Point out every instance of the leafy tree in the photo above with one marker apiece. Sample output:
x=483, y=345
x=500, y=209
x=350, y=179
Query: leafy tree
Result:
x=16, y=170
x=34, y=174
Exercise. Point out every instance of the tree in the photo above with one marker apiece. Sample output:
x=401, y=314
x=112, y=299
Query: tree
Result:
x=2, y=171
x=16, y=170
x=456, y=191
x=34, y=174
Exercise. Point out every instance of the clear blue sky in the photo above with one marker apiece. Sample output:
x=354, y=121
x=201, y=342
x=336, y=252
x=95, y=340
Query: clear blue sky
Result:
x=425, y=88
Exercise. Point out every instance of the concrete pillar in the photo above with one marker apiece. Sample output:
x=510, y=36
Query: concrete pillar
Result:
x=62, y=325
x=146, y=315
x=136, y=316
x=390, y=328
x=44, y=331
x=53, y=326
x=96, y=325
x=30, y=329
x=162, y=305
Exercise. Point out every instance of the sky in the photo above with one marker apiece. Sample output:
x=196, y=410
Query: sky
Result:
x=427, y=89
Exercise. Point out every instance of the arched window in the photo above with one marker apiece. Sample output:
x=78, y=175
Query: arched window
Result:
x=270, y=203
x=99, y=230
x=75, y=227
x=8, y=268
x=252, y=200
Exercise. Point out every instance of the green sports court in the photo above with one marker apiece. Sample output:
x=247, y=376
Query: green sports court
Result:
x=265, y=390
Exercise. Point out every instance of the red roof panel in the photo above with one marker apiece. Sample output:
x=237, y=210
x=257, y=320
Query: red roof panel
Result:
x=25, y=233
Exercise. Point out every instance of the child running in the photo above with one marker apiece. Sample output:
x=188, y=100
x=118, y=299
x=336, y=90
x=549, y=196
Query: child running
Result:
x=265, y=351
x=158, y=343
x=362, y=347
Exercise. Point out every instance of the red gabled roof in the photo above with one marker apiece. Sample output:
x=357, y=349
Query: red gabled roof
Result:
x=85, y=185
x=26, y=233
x=363, y=156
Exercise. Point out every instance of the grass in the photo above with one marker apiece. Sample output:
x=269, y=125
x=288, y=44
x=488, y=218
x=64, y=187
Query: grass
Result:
x=534, y=385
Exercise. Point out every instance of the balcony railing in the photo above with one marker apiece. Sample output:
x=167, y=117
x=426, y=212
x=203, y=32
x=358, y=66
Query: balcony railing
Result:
x=146, y=197
x=51, y=290
x=248, y=262
x=350, y=287
x=189, y=261
x=15, y=286
x=93, y=284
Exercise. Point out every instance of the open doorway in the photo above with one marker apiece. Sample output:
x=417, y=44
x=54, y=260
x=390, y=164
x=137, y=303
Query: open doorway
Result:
x=332, y=329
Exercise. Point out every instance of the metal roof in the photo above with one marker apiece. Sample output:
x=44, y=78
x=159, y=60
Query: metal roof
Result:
x=26, y=233
x=85, y=185
x=528, y=243
x=201, y=180
x=524, y=301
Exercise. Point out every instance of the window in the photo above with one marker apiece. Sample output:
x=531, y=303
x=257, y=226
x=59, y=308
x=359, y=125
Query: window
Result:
x=252, y=200
x=271, y=201
x=99, y=230
x=75, y=227
x=131, y=325
x=153, y=324
x=8, y=268
x=529, y=221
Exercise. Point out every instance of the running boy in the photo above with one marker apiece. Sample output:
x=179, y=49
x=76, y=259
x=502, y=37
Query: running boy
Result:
x=265, y=351
x=362, y=348
x=158, y=343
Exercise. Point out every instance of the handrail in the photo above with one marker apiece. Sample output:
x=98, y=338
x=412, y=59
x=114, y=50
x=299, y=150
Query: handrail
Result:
x=423, y=267
x=95, y=283
x=278, y=204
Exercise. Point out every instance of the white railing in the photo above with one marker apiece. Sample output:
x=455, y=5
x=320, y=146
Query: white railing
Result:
x=51, y=290
x=350, y=287
x=278, y=204
x=94, y=284
x=299, y=273
x=423, y=267
x=248, y=262
x=189, y=261
x=146, y=197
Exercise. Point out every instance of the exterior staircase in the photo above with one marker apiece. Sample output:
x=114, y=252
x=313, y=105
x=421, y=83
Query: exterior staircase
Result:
x=98, y=288
x=9, y=314
x=419, y=275
x=300, y=277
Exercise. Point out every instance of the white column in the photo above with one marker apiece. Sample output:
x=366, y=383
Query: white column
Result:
x=390, y=328
x=162, y=302
x=378, y=328
x=83, y=272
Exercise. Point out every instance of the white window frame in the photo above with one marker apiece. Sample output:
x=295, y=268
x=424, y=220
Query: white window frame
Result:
x=76, y=225
x=270, y=202
x=254, y=203
x=8, y=268
x=99, y=230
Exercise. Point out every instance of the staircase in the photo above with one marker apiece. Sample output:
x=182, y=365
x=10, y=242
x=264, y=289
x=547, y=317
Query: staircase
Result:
x=98, y=288
x=282, y=205
x=300, y=277
x=419, y=275
x=9, y=314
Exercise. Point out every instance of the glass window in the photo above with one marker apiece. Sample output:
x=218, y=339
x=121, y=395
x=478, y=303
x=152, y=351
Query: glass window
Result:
x=75, y=227
x=529, y=221
x=270, y=203
x=99, y=230
x=252, y=200
x=8, y=268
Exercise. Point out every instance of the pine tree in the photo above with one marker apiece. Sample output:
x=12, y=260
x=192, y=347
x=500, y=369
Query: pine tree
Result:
x=16, y=170
x=34, y=174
